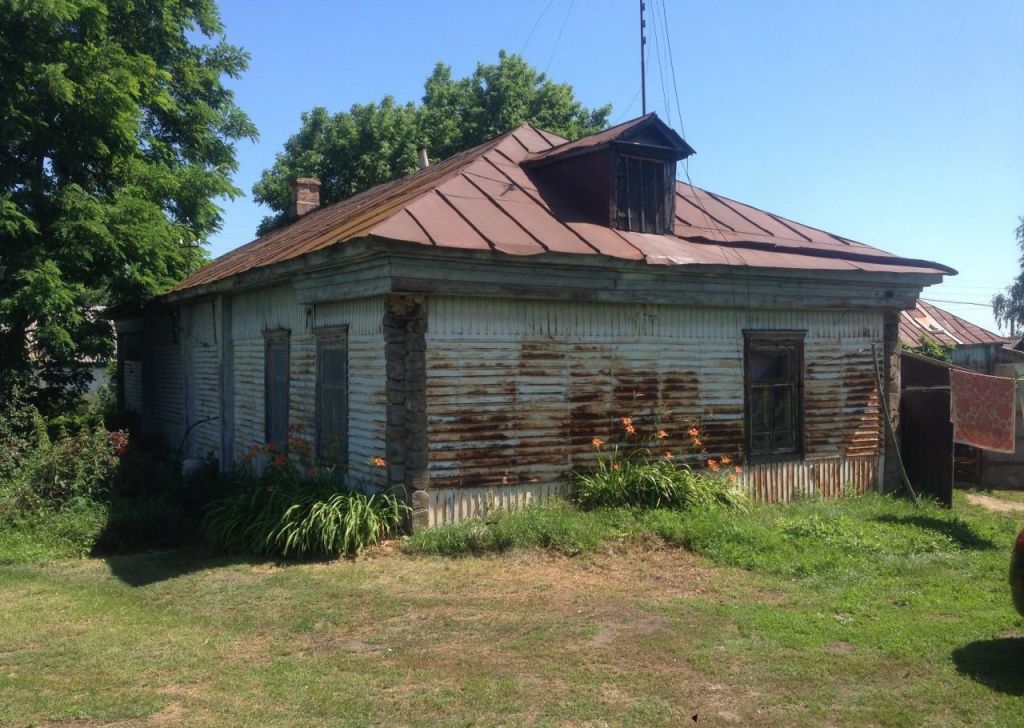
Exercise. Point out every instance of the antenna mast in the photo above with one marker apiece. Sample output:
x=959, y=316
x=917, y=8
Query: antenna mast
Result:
x=643, y=69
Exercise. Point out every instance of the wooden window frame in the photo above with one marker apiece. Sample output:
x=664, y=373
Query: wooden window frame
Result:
x=768, y=339
x=663, y=199
x=332, y=337
x=271, y=339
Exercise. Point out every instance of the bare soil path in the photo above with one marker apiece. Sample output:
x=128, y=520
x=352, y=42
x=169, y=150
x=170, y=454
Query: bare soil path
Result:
x=995, y=505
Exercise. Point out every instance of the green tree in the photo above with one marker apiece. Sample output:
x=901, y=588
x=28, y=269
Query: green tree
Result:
x=369, y=144
x=116, y=135
x=1008, y=307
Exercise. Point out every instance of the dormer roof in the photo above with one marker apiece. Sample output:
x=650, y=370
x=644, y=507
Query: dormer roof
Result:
x=647, y=133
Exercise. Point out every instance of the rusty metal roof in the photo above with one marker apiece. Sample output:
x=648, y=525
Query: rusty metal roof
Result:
x=943, y=327
x=484, y=199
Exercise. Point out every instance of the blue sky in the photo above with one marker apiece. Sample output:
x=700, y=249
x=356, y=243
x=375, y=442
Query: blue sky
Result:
x=899, y=123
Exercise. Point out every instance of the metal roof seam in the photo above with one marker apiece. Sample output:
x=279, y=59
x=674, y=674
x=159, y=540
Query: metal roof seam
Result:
x=421, y=227
x=739, y=212
x=547, y=209
x=465, y=219
x=506, y=213
x=707, y=216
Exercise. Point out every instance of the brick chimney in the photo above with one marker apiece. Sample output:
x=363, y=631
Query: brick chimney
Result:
x=305, y=196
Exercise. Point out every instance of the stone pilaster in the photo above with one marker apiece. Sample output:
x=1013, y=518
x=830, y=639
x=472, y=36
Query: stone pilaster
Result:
x=405, y=329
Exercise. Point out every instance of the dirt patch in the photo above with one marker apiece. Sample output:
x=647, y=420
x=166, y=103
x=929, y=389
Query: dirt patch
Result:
x=995, y=504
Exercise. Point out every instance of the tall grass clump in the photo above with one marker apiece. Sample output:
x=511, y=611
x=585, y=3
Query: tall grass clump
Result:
x=644, y=473
x=286, y=510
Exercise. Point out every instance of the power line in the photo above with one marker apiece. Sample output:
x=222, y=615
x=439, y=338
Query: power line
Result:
x=959, y=303
x=558, y=39
x=537, y=23
x=672, y=68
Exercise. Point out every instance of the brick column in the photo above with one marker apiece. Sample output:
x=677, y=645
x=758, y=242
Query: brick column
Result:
x=891, y=481
x=405, y=328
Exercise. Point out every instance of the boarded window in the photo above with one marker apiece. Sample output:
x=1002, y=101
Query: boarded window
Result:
x=332, y=396
x=276, y=383
x=774, y=394
x=641, y=195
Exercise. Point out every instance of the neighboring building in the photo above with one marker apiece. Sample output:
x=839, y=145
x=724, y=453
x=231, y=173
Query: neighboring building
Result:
x=479, y=322
x=972, y=346
x=980, y=350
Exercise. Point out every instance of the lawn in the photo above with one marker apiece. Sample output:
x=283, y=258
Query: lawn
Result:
x=866, y=611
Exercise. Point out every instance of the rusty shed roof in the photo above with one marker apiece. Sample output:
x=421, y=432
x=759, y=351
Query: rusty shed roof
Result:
x=943, y=327
x=484, y=199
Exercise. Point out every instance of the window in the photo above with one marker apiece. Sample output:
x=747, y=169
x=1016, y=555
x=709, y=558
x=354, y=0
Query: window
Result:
x=774, y=363
x=641, y=195
x=275, y=384
x=332, y=395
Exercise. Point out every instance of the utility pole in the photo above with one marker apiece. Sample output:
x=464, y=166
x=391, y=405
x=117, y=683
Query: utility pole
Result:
x=643, y=68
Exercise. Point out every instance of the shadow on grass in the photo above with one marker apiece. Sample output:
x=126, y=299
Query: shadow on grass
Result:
x=150, y=567
x=995, y=663
x=959, y=531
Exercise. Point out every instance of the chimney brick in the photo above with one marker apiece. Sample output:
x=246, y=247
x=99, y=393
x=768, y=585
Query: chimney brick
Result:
x=305, y=196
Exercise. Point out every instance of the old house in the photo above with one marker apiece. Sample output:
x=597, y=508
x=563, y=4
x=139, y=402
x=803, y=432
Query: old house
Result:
x=479, y=322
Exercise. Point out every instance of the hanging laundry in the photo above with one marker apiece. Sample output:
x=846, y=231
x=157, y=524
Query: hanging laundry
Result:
x=983, y=410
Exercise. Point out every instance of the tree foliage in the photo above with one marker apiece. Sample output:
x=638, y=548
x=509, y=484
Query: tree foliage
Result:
x=353, y=150
x=116, y=135
x=1008, y=307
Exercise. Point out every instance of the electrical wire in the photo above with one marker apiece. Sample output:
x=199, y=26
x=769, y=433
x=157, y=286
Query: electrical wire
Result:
x=535, y=25
x=558, y=39
x=959, y=303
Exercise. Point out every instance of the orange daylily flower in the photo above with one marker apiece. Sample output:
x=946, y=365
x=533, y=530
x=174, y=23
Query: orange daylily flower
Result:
x=379, y=462
x=693, y=432
x=597, y=442
x=726, y=460
x=738, y=469
x=668, y=455
x=713, y=465
x=630, y=429
x=627, y=421
x=662, y=434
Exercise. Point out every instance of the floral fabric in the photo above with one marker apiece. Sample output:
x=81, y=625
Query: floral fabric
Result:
x=983, y=410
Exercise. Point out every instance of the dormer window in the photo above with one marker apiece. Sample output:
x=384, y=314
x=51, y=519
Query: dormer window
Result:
x=623, y=177
x=642, y=195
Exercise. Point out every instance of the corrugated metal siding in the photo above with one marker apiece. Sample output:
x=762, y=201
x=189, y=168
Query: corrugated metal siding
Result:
x=252, y=314
x=167, y=378
x=132, y=372
x=830, y=477
x=517, y=389
x=202, y=376
x=276, y=308
x=366, y=377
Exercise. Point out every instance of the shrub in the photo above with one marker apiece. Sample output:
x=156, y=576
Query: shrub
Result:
x=285, y=512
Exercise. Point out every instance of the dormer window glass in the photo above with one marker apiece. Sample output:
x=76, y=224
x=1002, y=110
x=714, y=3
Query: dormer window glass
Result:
x=641, y=195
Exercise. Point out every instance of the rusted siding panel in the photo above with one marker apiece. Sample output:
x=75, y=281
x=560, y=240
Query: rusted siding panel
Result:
x=517, y=389
x=830, y=477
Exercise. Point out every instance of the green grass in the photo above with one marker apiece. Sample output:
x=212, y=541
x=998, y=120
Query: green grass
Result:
x=865, y=611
